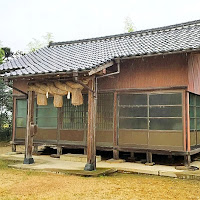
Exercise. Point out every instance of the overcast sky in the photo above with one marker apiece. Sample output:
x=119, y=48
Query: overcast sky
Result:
x=22, y=20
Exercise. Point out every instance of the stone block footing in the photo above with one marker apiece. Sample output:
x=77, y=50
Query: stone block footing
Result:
x=28, y=161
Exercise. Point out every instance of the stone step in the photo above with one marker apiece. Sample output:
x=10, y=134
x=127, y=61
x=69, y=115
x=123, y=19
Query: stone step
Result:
x=77, y=158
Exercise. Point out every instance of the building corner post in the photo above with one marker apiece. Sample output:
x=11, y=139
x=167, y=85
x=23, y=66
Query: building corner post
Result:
x=29, y=137
x=187, y=157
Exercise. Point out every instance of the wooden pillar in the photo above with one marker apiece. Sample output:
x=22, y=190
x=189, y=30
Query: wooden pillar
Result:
x=85, y=129
x=91, y=141
x=59, y=150
x=187, y=123
x=14, y=125
x=14, y=122
x=149, y=157
x=35, y=149
x=85, y=150
x=59, y=125
x=14, y=148
x=115, y=135
x=132, y=155
x=187, y=160
x=29, y=137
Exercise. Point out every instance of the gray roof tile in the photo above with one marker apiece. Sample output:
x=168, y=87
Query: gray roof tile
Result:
x=90, y=53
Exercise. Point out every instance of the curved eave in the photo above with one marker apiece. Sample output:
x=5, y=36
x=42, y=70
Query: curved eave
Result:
x=105, y=65
x=28, y=76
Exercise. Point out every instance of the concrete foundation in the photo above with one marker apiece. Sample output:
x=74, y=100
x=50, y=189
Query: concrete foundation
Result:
x=77, y=158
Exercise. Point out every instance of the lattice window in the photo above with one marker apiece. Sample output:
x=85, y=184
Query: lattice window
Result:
x=104, y=119
x=75, y=117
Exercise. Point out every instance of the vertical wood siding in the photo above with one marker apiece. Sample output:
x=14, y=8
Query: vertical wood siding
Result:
x=20, y=84
x=158, y=71
x=194, y=73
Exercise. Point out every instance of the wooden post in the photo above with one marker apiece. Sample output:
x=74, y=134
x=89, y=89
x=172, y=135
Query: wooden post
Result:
x=59, y=150
x=35, y=149
x=115, y=136
x=187, y=160
x=85, y=129
x=28, y=137
x=187, y=148
x=14, y=148
x=188, y=123
x=91, y=142
x=149, y=157
x=132, y=156
x=14, y=124
x=59, y=125
x=85, y=150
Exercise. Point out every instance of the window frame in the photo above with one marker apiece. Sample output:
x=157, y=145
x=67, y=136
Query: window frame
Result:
x=79, y=112
x=180, y=128
x=195, y=116
x=16, y=114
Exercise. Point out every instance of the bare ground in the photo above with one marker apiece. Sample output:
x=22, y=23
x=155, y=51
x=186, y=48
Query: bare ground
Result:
x=6, y=147
x=21, y=184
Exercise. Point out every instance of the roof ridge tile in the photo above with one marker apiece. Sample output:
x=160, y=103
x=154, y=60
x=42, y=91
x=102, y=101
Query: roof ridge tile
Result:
x=151, y=30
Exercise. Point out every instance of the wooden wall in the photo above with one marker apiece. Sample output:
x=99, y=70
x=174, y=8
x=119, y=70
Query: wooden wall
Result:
x=20, y=84
x=150, y=72
x=103, y=138
x=194, y=73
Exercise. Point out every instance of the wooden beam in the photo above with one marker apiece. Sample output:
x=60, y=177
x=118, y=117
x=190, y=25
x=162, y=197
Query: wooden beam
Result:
x=100, y=68
x=29, y=137
x=143, y=89
x=91, y=141
x=85, y=86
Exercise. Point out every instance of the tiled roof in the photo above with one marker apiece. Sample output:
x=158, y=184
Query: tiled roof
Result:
x=91, y=53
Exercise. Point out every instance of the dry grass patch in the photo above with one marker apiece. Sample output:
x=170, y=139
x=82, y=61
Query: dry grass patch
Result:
x=24, y=184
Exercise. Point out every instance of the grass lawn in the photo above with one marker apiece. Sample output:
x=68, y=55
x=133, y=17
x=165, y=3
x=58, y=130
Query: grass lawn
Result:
x=24, y=184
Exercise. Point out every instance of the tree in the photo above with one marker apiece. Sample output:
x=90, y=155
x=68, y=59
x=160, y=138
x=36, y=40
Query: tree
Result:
x=48, y=38
x=129, y=27
x=7, y=52
x=37, y=44
x=5, y=111
x=5, y=105
x=2, y=55
x=34, y=45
